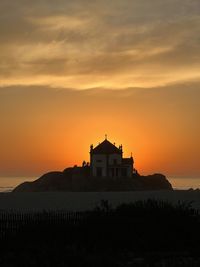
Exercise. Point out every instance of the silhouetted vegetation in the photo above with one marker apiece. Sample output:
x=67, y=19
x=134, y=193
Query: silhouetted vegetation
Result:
x=143, y=233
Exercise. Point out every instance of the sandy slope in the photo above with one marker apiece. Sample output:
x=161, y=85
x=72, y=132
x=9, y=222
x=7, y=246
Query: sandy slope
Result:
x=82, y=201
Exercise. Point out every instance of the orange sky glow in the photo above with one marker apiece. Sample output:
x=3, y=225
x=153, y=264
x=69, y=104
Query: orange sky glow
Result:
x=73, y=71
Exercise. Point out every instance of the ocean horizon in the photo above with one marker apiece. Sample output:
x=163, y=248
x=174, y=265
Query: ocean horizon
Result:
x=7, y=184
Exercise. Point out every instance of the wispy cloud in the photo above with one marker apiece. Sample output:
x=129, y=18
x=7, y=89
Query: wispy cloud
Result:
x=99, y=43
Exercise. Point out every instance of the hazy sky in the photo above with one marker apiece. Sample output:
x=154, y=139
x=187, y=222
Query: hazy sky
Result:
x=71, y=71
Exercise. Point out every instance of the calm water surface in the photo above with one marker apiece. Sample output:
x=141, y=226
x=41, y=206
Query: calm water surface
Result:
x=8, y=183
x=185, y=183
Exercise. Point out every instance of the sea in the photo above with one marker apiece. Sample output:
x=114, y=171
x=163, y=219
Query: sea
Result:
x=7, y=184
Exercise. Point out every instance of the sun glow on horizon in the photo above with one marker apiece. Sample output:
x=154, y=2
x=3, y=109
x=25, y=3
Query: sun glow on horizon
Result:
x=71, y=72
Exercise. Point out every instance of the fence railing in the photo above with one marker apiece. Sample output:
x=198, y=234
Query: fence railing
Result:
x=11, y=222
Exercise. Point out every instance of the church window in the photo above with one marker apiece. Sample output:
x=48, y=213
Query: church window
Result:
x=99, y=172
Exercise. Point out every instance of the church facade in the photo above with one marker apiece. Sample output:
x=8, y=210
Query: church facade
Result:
x=106, y=160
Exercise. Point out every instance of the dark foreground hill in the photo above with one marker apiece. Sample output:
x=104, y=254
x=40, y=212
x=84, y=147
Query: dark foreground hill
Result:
x=78, y=179
x=141, y=234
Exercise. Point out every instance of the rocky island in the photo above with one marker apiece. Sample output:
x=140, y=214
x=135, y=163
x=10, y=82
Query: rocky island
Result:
x=77, y=179
x=107, y=171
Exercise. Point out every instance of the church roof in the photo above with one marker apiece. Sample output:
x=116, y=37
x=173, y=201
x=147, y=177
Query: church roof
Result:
x=106, y=147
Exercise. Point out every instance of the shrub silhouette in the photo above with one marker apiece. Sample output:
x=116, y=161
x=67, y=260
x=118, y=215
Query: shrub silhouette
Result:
x=103, y=236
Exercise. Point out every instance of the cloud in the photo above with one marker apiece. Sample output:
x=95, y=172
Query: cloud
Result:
x=116, y=44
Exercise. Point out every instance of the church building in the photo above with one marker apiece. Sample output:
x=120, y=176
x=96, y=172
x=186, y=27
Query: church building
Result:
x=106, y=160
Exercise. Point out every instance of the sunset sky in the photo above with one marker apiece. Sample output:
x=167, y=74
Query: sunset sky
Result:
x=73, y=71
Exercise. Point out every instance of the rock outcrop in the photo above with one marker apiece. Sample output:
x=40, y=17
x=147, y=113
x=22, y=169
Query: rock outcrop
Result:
x=78, y=179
